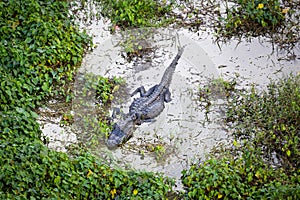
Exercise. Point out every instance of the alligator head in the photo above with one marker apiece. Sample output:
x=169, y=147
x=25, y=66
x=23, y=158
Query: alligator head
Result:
x=121, y=133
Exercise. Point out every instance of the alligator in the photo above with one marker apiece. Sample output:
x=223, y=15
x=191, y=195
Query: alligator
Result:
x=145, y=108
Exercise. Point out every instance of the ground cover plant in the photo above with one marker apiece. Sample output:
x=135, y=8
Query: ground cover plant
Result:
x=253, y=17
x=270, y=121
x=132, y=14
x=215, y=89
x=246, y=176
x=136, y=13
x=40, y=50
x=265, y=126
x=90, y=118
x=36, y=51
x=276, y=20
x=273, y=19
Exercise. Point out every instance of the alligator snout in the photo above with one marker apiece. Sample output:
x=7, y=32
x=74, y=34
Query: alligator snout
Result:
x=117, y=137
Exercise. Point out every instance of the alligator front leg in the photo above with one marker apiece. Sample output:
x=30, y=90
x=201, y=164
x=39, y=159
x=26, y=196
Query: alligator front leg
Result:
x=143, y=92
x=117, y=112
x=138, y=118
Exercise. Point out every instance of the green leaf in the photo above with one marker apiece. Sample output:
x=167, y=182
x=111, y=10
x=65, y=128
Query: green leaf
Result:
x=57, y=180
x=288, y=153
x=45, y=86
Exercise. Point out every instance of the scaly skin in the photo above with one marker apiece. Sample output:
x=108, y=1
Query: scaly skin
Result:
x=121, y=132
x=148, y=106
x=155, y=93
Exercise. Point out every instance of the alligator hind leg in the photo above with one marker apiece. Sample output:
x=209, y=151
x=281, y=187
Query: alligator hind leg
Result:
x=140, y=90
x=167, y=96
x=143, y=92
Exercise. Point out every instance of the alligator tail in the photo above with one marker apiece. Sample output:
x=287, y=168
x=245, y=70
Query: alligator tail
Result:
x=167, y=77
x=177, y=57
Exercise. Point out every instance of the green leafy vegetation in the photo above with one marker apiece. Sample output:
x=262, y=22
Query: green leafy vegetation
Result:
x=136, y=13
x=40, y=51
x=215, y=89
x=265, y=125
x=137, y=43
x=274, y=19
x=34, y=171
x=254, y=16
x=93, y=95
x=106, y=88
x=270, y=121
x=243, y=177
x=39, y=47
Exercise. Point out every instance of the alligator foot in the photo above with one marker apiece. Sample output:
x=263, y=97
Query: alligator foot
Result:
x=139, y=121
x=167, y=96
x=149, y=120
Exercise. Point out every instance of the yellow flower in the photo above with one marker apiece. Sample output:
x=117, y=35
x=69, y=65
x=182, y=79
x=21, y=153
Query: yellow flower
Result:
x=89, y=173
x=135, y=191
x=113, y=192
x=219, y=196
x=285, y=10
x=260, y=6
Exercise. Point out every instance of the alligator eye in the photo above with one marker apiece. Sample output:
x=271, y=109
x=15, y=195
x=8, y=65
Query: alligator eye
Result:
x=133, y=117
x=116, y=127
